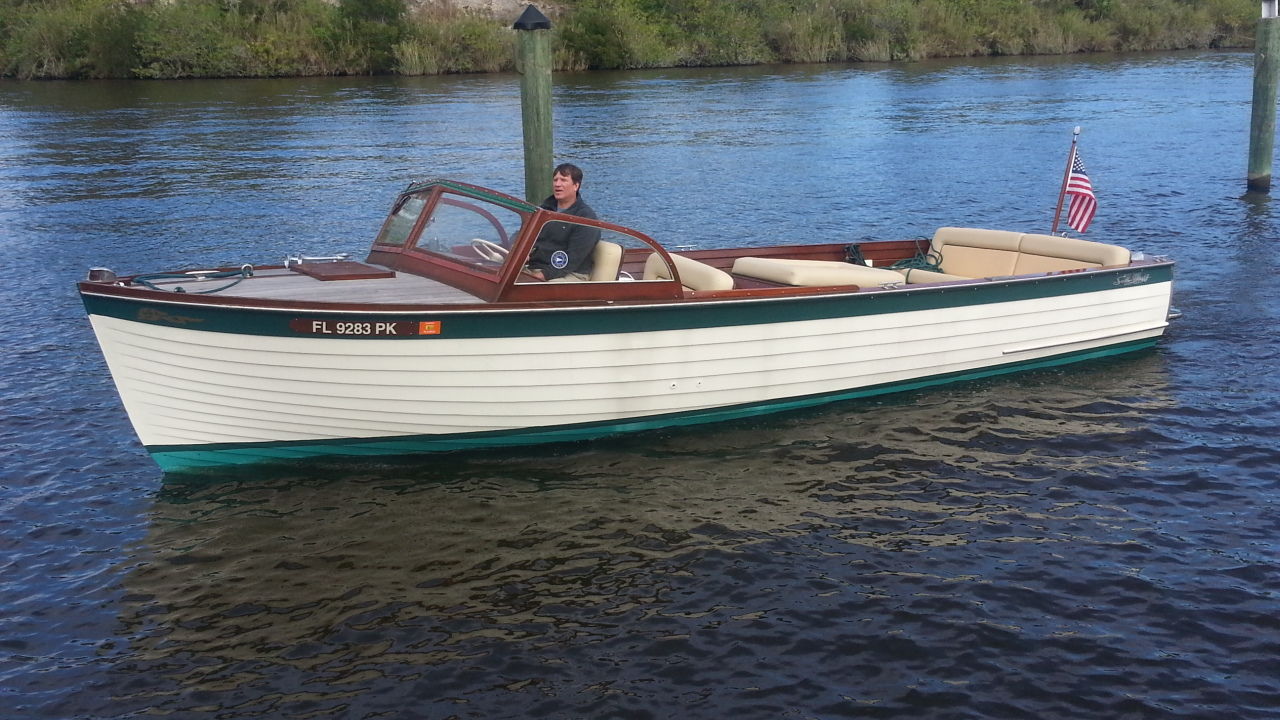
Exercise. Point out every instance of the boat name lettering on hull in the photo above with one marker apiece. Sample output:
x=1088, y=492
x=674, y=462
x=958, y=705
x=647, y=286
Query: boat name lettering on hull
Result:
x=151, y=315
x=364, y=328
x=1130, y=279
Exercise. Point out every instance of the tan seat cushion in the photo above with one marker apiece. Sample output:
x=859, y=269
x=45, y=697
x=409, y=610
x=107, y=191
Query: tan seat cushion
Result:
x=693, y=274
x=606, y=258
x=916, y=276
x=974, y=252
x=1050, y=253
x=813, y=273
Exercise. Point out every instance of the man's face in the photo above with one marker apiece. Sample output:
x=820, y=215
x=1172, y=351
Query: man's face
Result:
x=564, y=189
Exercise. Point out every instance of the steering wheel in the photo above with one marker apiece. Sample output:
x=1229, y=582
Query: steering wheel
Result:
x=489, y=250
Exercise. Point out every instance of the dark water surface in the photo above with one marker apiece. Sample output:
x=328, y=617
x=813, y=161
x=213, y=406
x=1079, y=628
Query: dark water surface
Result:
x=1099, y=541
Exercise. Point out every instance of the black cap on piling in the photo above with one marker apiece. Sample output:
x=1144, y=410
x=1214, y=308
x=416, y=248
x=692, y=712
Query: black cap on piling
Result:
x=532, y=19
x=533, y=61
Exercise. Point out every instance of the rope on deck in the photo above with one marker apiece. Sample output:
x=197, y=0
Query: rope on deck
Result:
x=925, y=258
x=147, y=281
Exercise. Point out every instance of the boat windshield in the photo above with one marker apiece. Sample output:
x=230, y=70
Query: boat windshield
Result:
x=396, y=229
x=467, y=237
x=470, y=231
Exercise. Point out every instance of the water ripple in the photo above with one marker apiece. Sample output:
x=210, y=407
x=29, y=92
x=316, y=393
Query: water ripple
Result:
x=1093, y=541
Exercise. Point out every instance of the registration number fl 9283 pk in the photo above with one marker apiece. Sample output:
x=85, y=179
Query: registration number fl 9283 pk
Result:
x=364, y=328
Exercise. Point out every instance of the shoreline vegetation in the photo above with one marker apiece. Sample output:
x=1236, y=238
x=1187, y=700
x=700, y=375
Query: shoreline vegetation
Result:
x=87, y=39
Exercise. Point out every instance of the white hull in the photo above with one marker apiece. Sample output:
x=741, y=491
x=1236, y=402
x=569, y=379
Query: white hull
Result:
x=184, y=387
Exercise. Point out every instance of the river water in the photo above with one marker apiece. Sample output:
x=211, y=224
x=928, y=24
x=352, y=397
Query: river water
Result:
x=1096, y=541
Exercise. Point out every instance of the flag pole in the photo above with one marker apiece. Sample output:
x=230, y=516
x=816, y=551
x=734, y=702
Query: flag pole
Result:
x=1066, y=175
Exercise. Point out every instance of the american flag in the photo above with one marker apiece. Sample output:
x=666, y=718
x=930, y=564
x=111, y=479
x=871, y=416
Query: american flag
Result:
x=1083, y=203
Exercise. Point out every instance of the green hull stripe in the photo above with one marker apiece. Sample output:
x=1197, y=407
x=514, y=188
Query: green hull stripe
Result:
x=607, y=319
x=183, y=457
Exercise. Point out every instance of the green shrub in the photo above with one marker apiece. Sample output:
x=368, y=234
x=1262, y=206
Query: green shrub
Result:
x=417, y=56
x=85, y=38
x=1079, y=35
x=806, y=35
x=217, y=38
x=896, y=25
x=191, y=38
x=110, y=48
x=616, y=34
x=369, y=33
x=456, y=42
x=285, y=42
x=44, y=43
x=953, y=30
x=715, y=32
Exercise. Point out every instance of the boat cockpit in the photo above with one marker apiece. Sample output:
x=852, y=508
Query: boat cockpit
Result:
x=480, y=241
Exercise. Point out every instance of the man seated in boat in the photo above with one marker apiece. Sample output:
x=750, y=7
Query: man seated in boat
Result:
x=563, y=250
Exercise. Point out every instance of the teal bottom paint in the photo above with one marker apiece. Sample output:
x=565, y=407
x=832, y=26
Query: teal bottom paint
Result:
x=172, y=458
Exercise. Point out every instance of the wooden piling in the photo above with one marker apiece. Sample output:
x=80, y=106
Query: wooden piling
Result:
x=1262, y=128
x=533, y=61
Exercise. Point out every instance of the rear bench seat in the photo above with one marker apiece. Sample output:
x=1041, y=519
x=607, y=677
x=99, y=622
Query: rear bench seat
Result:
x=972, y=253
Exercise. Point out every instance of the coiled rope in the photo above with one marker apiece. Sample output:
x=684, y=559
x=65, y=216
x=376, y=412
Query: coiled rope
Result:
x=147, y=281
x=925, y=258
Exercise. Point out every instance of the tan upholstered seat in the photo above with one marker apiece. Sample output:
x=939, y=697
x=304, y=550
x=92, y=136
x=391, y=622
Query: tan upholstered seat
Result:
x=606, y=259
x=972, y=252
x=1050, y=253
x=813, y=273
x=917, y=276
x=694, y=275
x=976, y=253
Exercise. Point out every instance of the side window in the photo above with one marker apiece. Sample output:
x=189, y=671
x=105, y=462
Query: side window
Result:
x=471, y=231
x=397, y=227
x=617, y=257
x=630, y=253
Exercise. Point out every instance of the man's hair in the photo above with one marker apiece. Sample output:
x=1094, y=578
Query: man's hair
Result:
x=573, y=171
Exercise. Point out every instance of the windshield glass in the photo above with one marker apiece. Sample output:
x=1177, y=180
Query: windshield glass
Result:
x=398, y=226
x=471, y=231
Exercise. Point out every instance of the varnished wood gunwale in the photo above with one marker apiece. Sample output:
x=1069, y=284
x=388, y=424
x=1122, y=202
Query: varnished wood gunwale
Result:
x=554, y=293
x=146, y=297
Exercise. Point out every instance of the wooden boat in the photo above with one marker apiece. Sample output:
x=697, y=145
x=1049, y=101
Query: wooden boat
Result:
x=438, y=341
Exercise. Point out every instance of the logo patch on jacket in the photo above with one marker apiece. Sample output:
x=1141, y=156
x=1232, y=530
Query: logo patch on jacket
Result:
x=559, y=259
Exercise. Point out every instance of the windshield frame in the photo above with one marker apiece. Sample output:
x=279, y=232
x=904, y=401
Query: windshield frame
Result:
x=450, y=261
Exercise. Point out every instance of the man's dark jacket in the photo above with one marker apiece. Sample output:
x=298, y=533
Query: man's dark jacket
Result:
x=574, y=242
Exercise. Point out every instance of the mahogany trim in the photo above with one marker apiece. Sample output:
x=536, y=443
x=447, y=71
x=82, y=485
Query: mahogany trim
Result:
x=513, y=290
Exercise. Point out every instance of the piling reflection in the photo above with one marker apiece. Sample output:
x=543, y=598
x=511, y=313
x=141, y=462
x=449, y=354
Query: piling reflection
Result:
x=531, y=564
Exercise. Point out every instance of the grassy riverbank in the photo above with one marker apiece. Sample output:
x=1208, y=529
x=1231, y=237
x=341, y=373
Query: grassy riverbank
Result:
x=262, y=38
